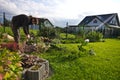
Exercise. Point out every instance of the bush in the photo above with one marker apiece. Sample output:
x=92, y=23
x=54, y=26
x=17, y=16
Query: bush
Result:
x=94, y=36
x=48, y=32
x=55, y=41
x=118, y=37
x=8, y=30
x=62, y=53
x=10, y=65
x=69, y=36
x=35, y=44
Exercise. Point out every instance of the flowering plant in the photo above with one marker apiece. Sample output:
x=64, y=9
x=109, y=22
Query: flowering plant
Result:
x=13, y=46
x=10, y=65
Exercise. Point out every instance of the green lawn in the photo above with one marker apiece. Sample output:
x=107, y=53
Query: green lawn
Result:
x=104, y=66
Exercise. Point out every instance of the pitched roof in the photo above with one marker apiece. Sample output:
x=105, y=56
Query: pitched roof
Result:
x=102, y=18
x=112, y=26
x=45, y=19
x=42, y=20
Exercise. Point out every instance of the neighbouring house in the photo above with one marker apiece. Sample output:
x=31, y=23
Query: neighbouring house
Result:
x=108, y=24
x=41, y=22
x=73, y=28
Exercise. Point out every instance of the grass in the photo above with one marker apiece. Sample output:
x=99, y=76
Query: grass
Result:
x=104, y=66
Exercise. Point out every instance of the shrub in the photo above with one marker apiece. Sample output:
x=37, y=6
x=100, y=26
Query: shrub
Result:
x=73, y=55
x=55, y=41
x=47, y=32
x=118, y=37
x=7, y=29
x=94, y=36
x=42, y=47
x=35, y=44
x=69, y=36
x=10, y=65
x=11, y=46
x=62, y=53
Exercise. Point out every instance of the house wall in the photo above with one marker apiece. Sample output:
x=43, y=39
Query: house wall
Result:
x=73, y=29
x=114, y=21
x=92, y=26
x=87, y=29
x=47, y=24
x=35, y=27
x=92, y=23
x=77, y=29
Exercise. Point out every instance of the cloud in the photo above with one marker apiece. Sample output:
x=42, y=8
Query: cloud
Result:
x=60, y=11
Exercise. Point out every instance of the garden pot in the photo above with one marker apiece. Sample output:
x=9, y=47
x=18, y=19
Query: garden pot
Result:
x=46, y=63
x=36, y=74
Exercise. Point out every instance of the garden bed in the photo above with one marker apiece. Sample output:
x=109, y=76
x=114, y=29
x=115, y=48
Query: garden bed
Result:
x=35, y=68
x=36, y=72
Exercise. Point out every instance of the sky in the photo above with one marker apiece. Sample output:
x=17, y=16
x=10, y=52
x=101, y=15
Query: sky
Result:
x=59, y=12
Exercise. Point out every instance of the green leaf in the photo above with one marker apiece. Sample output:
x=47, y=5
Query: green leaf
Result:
x=7, y=75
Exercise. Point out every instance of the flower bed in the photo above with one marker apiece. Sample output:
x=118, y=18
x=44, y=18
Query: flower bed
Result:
x=36, y=72
x=31, y=66
x=46, y=63
x=10, y=65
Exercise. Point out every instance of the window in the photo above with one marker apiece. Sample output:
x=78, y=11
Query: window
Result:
x=95, y=21
x=113, y=22
x=47, y=24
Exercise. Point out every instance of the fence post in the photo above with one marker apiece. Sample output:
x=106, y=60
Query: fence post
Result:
x=4, y=21
x=66, y=30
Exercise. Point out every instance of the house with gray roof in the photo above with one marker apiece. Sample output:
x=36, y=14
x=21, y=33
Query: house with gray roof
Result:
x=41, y=22
x=108, y=24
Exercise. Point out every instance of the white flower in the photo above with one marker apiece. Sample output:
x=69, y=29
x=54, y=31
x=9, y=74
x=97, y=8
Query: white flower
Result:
x=87, y=40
